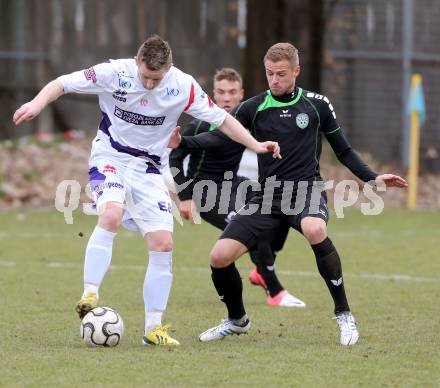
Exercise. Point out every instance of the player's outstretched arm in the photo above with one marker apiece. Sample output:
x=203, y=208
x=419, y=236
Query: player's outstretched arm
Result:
x=31, y=109
x=233, y=129
x=356, y=165
x=209, y=141
x=392, y=180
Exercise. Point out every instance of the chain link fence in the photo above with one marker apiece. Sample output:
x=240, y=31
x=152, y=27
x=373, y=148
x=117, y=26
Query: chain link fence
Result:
x=369, y=58
x=41, y=39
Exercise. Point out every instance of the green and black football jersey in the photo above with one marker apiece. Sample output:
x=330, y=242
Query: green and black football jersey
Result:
x=297, y=122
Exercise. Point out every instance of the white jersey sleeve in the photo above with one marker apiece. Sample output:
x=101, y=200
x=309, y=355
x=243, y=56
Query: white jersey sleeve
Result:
x=93, y=80
x=201, y=107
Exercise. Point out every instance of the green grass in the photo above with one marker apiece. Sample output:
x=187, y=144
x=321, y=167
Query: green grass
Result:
x=398, y=319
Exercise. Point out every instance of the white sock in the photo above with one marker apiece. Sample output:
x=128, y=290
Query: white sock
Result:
x=157, y=286
x=97, y=259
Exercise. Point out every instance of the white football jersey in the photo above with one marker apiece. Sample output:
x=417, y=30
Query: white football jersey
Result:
x=136, y=117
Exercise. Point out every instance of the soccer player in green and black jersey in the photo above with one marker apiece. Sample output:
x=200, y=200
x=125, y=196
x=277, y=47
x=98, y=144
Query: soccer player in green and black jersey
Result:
x=293, y=190
x=219, y=164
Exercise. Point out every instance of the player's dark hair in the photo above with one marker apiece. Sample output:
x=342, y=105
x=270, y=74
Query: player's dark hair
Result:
x=155, y=53
x=228, y=74
x=282, y=51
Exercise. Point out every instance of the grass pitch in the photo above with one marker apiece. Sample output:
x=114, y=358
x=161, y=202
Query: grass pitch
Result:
x=392, y=275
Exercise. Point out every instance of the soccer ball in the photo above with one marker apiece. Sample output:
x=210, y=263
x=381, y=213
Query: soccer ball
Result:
x=102, y=326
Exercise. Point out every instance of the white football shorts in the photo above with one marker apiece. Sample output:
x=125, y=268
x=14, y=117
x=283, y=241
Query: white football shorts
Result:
x=118, y=177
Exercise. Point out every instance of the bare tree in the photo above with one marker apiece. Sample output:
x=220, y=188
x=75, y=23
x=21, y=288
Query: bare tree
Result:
x=301, y=22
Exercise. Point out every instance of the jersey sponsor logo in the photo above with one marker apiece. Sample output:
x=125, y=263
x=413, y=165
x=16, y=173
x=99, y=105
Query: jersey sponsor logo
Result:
x=285, y=113
x=137, y=119
x=90, y=75
x=119, y=95
x=109, y=168
x=143, y=101
x=114, y=185
x=99, y=187
x=302, y=120
x=124, y=84
x=173, y=92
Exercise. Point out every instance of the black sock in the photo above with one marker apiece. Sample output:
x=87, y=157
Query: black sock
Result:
x=227, y=282
x=264, y=258
x=329, y=266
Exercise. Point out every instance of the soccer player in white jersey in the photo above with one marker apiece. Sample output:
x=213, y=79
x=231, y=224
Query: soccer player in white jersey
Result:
x=141, y=100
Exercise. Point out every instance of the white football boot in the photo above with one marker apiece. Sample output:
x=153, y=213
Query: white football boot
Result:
x=347, y=328
x=226, y=327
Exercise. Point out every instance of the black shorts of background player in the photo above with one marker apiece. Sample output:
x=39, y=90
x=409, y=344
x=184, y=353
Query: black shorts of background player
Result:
x=296, y=119
x=219, y=163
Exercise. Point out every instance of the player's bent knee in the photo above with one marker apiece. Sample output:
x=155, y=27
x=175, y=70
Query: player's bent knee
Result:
x=218, y=258
x=225, y=252
x=111, y=218
x=110, y=222
x=160, y=241
x=163, y=246
x=315, y=233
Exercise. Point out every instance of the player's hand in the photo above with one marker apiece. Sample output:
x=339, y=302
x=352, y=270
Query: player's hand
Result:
x=391, y=180
x=187, y=210
x=26, y=112
x=269, y=146
x=175, y=139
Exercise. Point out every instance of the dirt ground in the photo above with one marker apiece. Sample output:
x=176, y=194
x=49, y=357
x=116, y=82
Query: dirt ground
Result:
x=30, y=173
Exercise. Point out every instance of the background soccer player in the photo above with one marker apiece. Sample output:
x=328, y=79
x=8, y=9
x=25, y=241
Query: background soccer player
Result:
x=211, y=163
x=296, y=119
x=126, y=158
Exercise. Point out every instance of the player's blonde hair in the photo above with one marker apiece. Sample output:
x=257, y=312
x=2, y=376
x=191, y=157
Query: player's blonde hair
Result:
x=282, y=51
x=155, y=53
x=229, y=74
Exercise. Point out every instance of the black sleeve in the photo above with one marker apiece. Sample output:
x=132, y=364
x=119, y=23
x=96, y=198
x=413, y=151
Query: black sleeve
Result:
x=176, y=160
x=216, y=139
x=349, y=157
x=213, y=140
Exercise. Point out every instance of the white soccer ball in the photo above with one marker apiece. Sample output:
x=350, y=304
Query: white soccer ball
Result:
x=102, y=326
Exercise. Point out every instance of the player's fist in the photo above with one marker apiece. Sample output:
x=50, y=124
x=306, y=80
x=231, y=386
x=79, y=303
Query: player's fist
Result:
x=391, y=180
x=26, y=112
x=188, y=210
x=175, y=139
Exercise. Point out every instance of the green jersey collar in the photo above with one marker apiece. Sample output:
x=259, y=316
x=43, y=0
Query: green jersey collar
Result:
x=270, y=102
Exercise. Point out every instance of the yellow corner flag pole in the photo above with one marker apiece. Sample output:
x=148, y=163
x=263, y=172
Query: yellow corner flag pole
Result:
x=417, y=110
